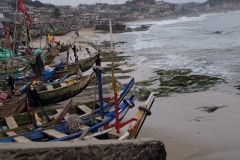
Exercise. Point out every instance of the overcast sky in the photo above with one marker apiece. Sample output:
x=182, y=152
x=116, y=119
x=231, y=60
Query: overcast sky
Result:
x=76, y=2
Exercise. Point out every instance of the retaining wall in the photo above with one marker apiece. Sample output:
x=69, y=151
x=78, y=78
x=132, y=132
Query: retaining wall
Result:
x=139, y=149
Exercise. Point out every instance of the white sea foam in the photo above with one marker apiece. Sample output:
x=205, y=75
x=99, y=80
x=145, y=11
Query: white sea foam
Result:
x=188, y=44
x=165, y=22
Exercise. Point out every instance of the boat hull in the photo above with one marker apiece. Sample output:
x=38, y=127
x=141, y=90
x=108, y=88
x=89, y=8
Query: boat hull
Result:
x=15, y=105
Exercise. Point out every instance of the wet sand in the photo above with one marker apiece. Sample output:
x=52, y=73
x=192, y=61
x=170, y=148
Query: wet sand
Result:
x=187, y=132
x=194, y=134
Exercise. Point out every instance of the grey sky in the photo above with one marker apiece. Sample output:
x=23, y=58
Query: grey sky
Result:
x=76, y=2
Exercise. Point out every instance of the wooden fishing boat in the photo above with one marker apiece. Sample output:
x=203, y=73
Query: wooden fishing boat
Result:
x=67, y=130
x=6, y=70
x=14, y=104
x=59, y=32
x=29, y=76
x=107, y=107
x=70, y=87
x=51, y=54
x=64, y=48
x=71, y=69
x=23, y=122
x=134, y=125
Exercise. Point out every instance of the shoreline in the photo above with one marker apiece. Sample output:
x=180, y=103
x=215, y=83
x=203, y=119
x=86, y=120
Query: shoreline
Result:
x=187, y=132
x=205, y=141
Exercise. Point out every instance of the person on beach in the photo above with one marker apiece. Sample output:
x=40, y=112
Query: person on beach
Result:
x=11, y=84
x=74, y=48
x=87, y=50
x=80, y=48
x=29, y=49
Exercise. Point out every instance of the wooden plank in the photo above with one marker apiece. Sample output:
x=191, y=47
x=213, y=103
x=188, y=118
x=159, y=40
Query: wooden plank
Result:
x=84, y=128
x=49, y=87
x=11, y=123
x=85, y=108
x=63, y=84
x=36, y=116
x=100, y=119
x=54, y=134
x=90, y=138
x=114, y=135
x=21, y=139
x=63, y=113
x=59, y=111
x=85, y=132
x=11, y=133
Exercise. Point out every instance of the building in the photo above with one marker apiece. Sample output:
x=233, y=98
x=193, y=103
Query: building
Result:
x=5, y=8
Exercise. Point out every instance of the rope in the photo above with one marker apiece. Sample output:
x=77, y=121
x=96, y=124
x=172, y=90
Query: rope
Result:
x=74, y=123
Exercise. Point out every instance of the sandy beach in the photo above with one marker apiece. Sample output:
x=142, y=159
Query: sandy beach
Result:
x=188, y=132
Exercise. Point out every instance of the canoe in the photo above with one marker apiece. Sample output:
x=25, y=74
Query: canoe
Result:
x=134, y=125
x=23, y=122
x=14, y=104
x=51, y=54
x=16, y=69
x=46, y=75
x=57, y=32
x=7, y=54
x=107, y=107
x=70, y=87
x=71, y=68
x=64, y=48
x=65, y=131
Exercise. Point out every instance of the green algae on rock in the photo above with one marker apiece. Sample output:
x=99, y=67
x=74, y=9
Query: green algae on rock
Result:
x=108, y=58
x=177, y=81
x=116, y=70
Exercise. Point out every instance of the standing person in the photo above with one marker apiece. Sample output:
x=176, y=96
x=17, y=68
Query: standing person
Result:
x=11, y=83
x=67, y=56
x=74, y=48
x=80, y=46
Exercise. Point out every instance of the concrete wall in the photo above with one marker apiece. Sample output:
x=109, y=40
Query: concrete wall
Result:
x=139, y=149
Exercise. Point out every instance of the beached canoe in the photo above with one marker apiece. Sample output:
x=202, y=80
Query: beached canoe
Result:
x=72, y=68
x=22, y=120
x=134, y=125
x=26, y=121
x=65, y=131
x=57, y=92
x=29, y=76
x=51, y=54
x=64, y=48
x=14, y=104
x=59, y=32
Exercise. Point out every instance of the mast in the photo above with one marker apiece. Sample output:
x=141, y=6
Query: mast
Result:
x=15, y=31
x=114, y=85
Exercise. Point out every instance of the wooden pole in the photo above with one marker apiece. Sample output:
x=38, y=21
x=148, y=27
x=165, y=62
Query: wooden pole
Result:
x=114, y=85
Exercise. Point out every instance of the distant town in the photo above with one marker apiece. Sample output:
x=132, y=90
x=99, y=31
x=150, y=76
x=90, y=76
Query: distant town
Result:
x=51, y=17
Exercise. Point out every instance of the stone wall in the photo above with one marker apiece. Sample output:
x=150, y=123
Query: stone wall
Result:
x=139, y=149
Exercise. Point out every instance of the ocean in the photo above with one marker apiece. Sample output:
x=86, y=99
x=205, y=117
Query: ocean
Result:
x=187, y=131
x=188, y=43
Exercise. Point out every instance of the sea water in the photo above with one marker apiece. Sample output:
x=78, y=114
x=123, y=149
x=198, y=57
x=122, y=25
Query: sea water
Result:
x=188, y=43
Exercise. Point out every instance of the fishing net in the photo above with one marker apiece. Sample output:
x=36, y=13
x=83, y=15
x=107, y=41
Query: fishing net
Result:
x=74, y=123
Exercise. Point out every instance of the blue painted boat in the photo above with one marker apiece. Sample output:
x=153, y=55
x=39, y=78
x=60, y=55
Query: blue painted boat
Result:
x=46, y=75
x=107, y=106
x=61, y=132
x=129, y=128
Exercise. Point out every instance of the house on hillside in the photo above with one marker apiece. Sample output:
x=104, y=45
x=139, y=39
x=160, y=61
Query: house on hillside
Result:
x=5, y=8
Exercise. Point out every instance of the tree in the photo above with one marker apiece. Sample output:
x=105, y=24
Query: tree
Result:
x=56, y=13
x=38, y=4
